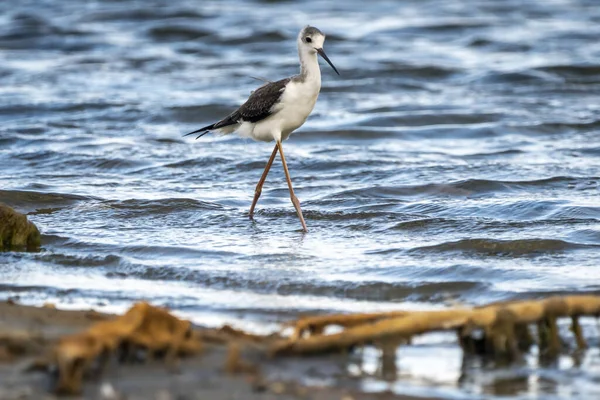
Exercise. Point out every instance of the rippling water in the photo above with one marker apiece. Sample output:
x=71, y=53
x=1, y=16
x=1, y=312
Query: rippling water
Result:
x=457, y=159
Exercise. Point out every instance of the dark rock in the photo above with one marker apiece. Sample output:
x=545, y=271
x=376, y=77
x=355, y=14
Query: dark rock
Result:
x=16, y=232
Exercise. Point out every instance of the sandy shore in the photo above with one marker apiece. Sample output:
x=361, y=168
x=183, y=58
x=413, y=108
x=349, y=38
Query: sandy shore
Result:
x=26, y=332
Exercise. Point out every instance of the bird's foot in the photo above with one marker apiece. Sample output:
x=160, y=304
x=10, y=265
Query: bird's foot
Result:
x=296, y=204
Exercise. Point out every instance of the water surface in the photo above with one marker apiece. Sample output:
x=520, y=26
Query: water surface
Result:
x=455, y=160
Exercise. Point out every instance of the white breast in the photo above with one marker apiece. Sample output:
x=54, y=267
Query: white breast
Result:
x=297, y=102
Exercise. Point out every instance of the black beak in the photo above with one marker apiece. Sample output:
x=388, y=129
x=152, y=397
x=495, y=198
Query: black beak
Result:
x=322, y=54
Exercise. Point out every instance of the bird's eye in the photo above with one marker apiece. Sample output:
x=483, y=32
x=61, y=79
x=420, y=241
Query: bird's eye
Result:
x=308, y=40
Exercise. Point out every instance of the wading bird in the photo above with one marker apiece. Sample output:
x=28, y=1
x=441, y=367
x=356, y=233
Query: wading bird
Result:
x=276, y=109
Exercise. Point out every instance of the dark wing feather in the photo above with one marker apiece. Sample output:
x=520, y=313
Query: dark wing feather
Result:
x=260, y=103
x=258, y=107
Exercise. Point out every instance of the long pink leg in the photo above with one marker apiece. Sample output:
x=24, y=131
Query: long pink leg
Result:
x=259, y=186
x=295, y=201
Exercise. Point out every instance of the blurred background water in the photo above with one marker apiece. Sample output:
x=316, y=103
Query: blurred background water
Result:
x=456, y=160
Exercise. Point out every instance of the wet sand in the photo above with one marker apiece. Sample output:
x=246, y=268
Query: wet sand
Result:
x=27, y=332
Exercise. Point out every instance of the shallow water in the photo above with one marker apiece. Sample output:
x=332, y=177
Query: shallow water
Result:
x=455, y=160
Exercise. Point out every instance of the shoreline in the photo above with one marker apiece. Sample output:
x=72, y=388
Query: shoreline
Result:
x=27, y=332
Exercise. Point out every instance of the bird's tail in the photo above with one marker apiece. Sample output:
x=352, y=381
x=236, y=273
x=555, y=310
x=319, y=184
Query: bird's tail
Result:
x=203, y=131
x=225, y=126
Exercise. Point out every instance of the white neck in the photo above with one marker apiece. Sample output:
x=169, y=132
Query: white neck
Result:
x=309, y=66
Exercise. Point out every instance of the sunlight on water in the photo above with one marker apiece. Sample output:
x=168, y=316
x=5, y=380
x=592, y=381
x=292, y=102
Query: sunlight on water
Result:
x=454, y=161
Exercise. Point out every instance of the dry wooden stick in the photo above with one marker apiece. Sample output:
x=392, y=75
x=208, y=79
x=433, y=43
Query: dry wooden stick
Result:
x=404, y=327
x=499, y=321
x=315, y=325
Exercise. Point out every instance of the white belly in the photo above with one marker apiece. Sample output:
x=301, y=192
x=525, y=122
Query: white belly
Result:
x=297, y=102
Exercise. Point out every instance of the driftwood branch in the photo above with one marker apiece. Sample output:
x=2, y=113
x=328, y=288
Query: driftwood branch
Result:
x=505, y=326
x=317, y=324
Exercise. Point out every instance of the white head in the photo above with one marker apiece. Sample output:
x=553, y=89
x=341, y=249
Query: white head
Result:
x=310, y=41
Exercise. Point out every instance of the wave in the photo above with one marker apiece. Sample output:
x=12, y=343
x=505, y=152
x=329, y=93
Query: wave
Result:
x=61, y=162
x=348, y=133
x=269, y=36
x=427, y=119
x=560, y=127
x=528, y=77
x=152, y=252
x=587, y=236
x=199, y=162
x=199, y=114
x=27, y=201
x=28, y=30
x=492, y=44
x=161, y=206
x=464, y=188
x=75, y=260
x=137, y=13
x=492, y=154
x=584, y=73
x=522, y=247
x=363, y=290
x=178, y=32
x=428, y=71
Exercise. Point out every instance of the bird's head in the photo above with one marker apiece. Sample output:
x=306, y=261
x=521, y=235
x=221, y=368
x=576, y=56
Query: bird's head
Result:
x=311, y=40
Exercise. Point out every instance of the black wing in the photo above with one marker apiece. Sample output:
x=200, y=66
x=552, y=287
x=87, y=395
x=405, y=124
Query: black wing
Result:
x=260, y=103
x=258, y=107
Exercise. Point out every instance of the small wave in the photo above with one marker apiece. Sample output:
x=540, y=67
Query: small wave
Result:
x=27, y=25
x=73, y=260
x=27, y=288
x=16, y=109
x=112, y=163
x=587, y=236
x=179, y=32
x=418, y=70
x=455, y=25
x=199, y=162
x=349, y=133
x=577, y=213
x=201, y=114
x=430, y=119
x=31, y=201
x=591, y=151
x=476, y=220
x=518, y=211
x=271, y=36
x=371, y=291
x=381, y=291
x=141, y=14
x=515, y=77
x=483, y=130
x=463, y=188
x=32, y=31
x=59, y=161
x=497, y=45
x=484, y=185
x=492, y=154
x=7, y=141
x=40, y=156
x=54, y=240
x=434, y=224
x=386, y=192
x=583, y=73
x=521, y=247
x=162, y=206
x=154, y=252
x=561, y=127
x=593, y=289
x=444, y=273
x=345, y=215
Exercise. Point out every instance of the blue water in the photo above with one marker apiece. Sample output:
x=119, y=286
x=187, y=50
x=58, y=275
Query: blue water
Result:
x=456, y=160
